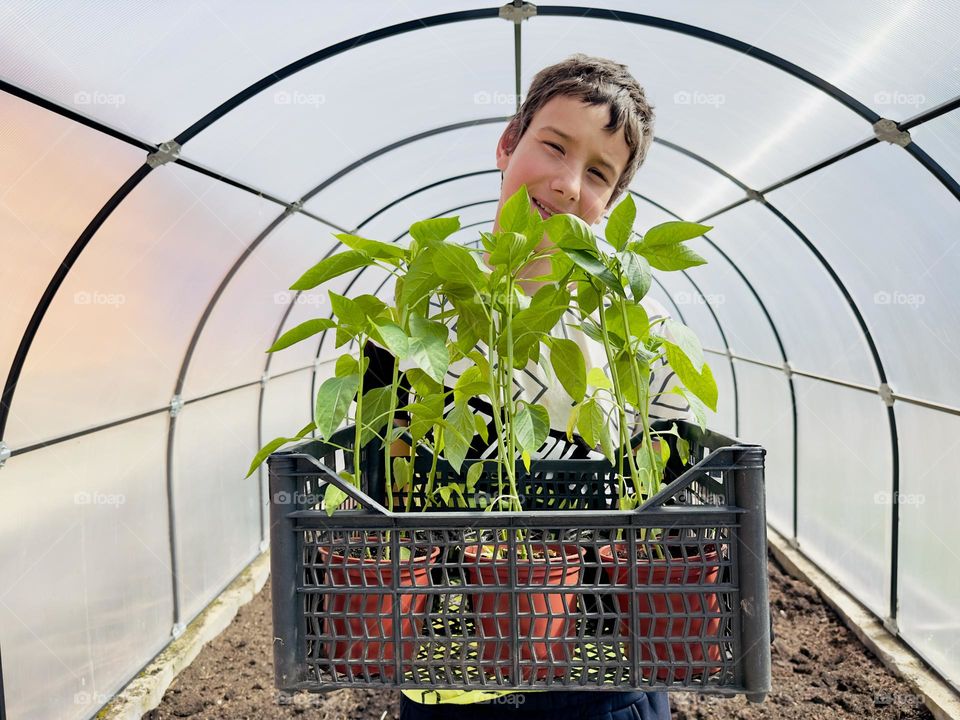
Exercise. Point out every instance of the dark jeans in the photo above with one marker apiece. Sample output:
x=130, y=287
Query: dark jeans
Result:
x=559, y=705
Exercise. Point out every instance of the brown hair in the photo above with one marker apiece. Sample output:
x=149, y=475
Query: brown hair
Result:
x=595, y=81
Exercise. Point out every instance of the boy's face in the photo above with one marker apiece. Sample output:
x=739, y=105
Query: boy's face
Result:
x=568, y=162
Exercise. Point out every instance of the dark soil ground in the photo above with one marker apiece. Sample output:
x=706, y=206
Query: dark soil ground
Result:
x=820, y=670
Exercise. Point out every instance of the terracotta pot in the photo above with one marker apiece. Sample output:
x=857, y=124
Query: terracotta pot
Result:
x=539, y=635
x=362, y=620
x=685, y=633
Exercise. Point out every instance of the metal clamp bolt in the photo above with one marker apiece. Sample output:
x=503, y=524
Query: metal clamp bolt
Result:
x=787, y=369
x=176, y=405
x=5, y=453
x=167, y=152
x=886, y=394
x=518, y=11
x=888, y=131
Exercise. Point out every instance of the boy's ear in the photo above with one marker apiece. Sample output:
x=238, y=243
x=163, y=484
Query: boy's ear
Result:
x=505, y=147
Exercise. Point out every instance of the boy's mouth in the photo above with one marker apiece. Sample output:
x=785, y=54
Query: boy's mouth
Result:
x=545, y=212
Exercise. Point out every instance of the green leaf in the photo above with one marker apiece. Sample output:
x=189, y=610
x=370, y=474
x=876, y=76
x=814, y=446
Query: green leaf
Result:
x=392, y=337
x=509, y=250
x=472, y=324
x=683, y=448
x=333, y=498
x=301, y=332
x=685, y=339
x=673, y=232
x=591, y=422
x=699, y=383
x=458, y=435
x=421, y=279
x=473, y=475
x=598, y=379
x=572, y=419
x=531, y=425
x=374, y=410
x=372, y=306
x=628, y=386
x=671, y=257
x=482, y=430
x=350, y=314
x=346, y=365
x=620, y=223
x=606, y=443
x=647, y=465
x=637, y=270
x=588, y=299
x=591, y=330
x=566, y=359
x=515, y=213
x=373, y=248
x=470, y=384
x=402, y=473
x=333, y=401
x=428, y=346
x=637, y=320
x=456, y=263
x=570, y=232
x=331, y=267
x=274, y=445
x=435, y=230
x=696, y=405
x=592, y=265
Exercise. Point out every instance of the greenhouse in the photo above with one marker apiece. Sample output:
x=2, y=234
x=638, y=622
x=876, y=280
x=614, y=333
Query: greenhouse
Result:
x=172, y=174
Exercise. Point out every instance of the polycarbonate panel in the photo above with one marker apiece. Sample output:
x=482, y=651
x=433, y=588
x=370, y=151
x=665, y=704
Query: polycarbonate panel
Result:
x=684, y=186
x=766, y=419
x=84, y=546
x=817, y=326
x=940, y=139
x=430, y=201
x=928, y=575
x=112, y=342
x=363, y=191
x=754, y=121
x=321, y=121
x=54, y=178
x=897, y=57
x=287, y=407
x=888, y=228
x=257, y=296
x=217, y=509
x=844, y=480
x=69, y=52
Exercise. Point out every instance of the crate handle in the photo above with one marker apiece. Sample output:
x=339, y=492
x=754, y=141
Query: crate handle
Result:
x=329, y=476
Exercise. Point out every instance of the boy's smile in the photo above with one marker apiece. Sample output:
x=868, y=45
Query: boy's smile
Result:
x=568, y=162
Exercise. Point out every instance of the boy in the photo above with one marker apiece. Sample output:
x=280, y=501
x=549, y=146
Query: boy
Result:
x=576, y=142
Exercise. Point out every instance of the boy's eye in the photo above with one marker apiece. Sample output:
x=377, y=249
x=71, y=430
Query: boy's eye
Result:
x=599, y=174
x=554, y=145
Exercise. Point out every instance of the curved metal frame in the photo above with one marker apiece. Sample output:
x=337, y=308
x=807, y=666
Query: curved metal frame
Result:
x=851, y=103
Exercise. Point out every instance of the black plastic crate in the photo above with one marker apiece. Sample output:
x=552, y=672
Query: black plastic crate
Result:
x=465, y=600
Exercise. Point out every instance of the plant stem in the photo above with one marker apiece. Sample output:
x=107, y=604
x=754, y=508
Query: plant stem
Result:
x=358, y=418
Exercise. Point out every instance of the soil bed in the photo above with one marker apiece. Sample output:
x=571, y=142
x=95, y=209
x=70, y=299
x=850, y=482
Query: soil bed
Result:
x=820, y=670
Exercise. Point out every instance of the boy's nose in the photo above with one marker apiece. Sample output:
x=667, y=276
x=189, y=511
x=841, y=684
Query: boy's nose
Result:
x=567, y=184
